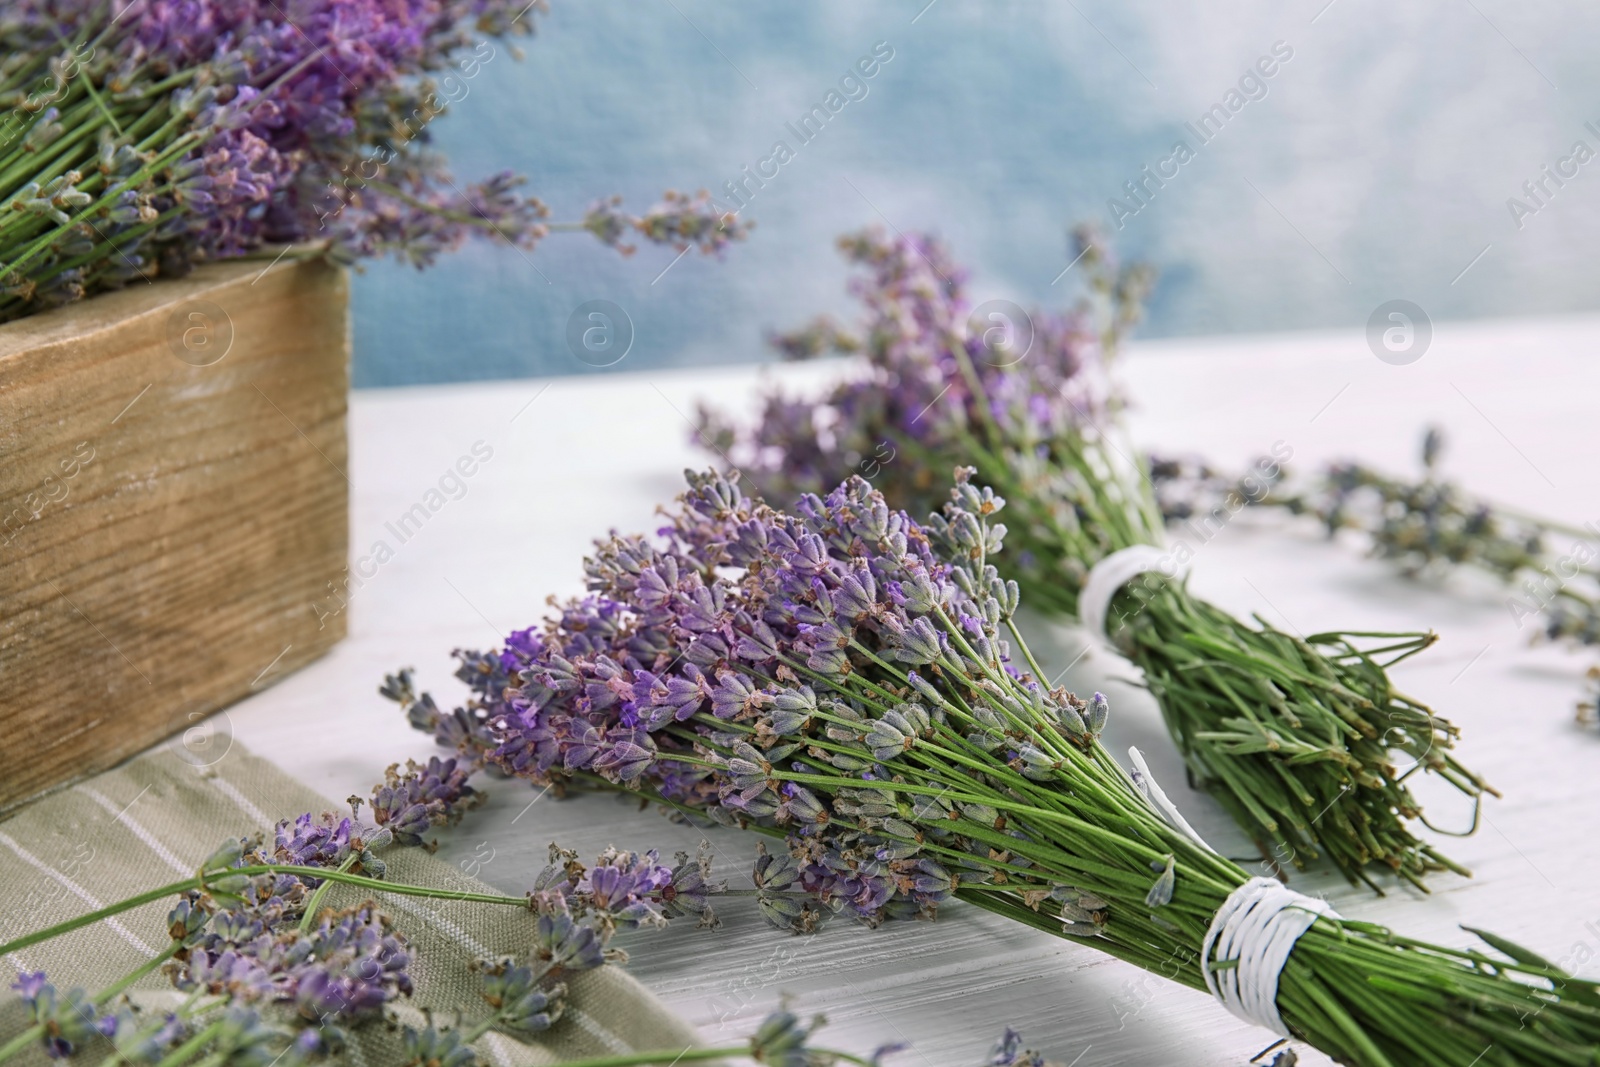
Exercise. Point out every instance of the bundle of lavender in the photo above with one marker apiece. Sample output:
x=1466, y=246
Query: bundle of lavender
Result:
x=274, y=976
x=1298, y=737
x=851, y=684
x=139, y=136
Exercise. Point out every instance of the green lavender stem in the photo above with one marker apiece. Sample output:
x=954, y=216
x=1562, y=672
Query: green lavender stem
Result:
x=314, y=905
x=25, y=1039
x=1291, y=735
x=200, y=881
x=190, y=1047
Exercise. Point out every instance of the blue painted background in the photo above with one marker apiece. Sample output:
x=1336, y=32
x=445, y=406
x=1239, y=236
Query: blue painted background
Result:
x=1378, y=164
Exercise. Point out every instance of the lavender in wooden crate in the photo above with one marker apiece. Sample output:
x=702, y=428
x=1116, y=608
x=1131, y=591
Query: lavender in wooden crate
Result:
x=141, y=136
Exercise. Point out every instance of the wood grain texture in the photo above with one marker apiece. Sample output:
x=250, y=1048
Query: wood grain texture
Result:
x=165, y=527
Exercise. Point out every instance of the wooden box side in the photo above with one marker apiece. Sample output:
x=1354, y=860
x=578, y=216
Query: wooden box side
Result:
x=173, y=504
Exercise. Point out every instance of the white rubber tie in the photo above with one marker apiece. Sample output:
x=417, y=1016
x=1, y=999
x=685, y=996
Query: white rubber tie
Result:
x=1161, y=802
x=1257, y=926
x=1110, y=575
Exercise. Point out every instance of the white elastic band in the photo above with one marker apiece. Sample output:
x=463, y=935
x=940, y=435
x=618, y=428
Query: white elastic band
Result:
x=1158, y=799
x=1257, y=927
x=1111, y=574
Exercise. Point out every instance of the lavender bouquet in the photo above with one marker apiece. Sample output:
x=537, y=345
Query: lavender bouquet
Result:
x=1297, y=737
x=140, y=136
x=850, y=684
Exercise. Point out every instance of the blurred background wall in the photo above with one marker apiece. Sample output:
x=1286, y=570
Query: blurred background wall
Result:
x=1379, y=160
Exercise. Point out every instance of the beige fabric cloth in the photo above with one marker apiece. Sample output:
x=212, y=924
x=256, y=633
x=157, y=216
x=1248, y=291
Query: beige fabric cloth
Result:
x=153, y=820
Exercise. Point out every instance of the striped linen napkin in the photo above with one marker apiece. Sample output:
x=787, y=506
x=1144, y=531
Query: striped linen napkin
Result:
x=153, y=820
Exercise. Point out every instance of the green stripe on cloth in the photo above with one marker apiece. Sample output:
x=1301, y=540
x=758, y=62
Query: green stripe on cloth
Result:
x=153, y=820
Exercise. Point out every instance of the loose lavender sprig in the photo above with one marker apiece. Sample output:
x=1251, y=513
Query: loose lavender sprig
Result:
x=850, y=682
x=243, y=955
x=1302, y=739
x=194, y=130
x=1428, y=527
x=249, y=931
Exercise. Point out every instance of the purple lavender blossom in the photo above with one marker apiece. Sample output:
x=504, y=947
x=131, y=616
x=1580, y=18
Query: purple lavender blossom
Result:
x=783, y=1041
x=464, y=729
x=343, y=969
x=626, y=887
x=928, y=383
x=67, y=1019
x=689, y=887
x=140, y=1040
x=434, y=1047
x=519, y=1000
x=706, y=667
x=349, y=966
x=30, y=985
x=562, y=944
x=435, y=794
x=323, y=842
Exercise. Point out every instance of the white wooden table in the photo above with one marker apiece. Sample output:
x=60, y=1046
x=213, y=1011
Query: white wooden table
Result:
x=574, y=457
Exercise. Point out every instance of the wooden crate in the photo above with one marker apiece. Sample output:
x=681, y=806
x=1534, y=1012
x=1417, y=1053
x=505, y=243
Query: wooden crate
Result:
x=173, y=502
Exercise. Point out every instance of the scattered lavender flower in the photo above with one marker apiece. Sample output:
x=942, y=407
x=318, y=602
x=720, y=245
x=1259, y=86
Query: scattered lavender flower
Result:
x=68, y=1019
x=431, y=1047
x=625, y=887
x=1008, y=1052
x=781, y=1040
x=321, y=842
x=561, y=943
x=689, y=887
x=435, y=794
x=514, y=992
